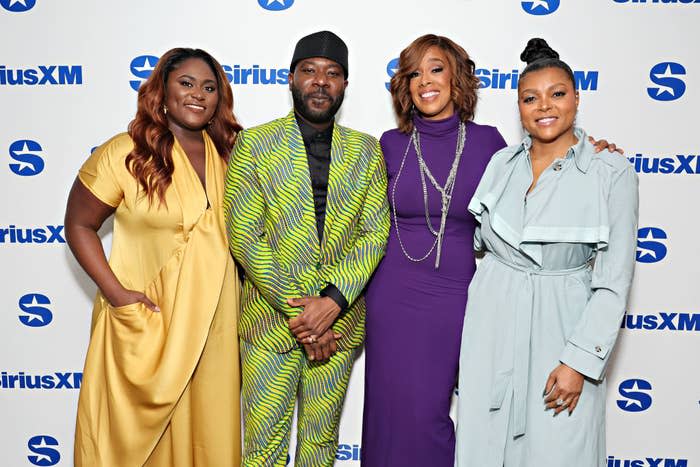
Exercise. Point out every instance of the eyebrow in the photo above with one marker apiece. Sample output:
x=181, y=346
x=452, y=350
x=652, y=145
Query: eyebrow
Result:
x=208, y=80
x=550, y=87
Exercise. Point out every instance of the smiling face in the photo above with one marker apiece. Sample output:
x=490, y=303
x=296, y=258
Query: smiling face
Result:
x=430, y=85
x=318, y=87
x=548, y=102
x=191, y=96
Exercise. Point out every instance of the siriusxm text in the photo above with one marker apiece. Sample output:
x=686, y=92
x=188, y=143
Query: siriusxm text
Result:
x=49, y=234
x=41, y=75
x=646, y=462
x=56, y=380
x=497, y=79
x=255, y=75
x=663, y=322
x=678, y=164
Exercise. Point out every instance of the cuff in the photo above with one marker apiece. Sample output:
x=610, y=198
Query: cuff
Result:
x=332, y=292
x=587, y=363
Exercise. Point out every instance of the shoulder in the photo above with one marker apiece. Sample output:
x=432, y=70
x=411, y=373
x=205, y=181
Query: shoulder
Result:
x=610, y=163
x=111, y=152
x=264, y=130
x=120, y=144
x=357, y=136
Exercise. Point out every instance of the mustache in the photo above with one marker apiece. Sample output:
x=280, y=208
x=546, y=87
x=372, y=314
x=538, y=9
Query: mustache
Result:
x=320, y=94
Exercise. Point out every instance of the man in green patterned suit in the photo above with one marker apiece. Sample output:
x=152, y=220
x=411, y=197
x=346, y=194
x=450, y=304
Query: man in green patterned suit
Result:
x=308, y=221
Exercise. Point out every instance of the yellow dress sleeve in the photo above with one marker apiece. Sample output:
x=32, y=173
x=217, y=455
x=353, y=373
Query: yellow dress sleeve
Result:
x=105, y=174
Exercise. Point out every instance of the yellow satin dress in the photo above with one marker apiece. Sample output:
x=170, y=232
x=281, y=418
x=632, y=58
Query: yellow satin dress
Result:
x=162, y=389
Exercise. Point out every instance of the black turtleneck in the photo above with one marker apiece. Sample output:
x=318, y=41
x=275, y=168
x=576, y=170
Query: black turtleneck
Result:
x=318, y=155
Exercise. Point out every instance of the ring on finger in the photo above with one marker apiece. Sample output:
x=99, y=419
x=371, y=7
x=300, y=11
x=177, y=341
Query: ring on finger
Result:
x=311, y=339
x=561, y=403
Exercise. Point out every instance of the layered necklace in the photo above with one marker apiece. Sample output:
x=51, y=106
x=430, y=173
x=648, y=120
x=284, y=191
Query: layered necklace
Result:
x=445, y=192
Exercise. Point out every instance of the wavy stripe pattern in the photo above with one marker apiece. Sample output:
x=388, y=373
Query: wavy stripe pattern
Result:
x=271, y=383
x=272, y=228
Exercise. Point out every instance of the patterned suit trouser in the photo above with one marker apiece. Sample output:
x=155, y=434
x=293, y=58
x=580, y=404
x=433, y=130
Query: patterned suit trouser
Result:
x=271, y=384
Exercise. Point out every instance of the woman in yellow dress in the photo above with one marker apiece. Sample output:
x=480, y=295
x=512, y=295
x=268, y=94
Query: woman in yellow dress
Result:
x=161, y=379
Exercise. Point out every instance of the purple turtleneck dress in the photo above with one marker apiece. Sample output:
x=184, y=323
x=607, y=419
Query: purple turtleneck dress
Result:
x=414, y=311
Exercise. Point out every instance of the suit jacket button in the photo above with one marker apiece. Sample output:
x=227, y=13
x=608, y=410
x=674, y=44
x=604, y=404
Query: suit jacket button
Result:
x=598, y=349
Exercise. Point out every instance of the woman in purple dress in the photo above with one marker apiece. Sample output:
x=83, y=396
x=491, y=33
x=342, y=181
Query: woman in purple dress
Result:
x=416, y=300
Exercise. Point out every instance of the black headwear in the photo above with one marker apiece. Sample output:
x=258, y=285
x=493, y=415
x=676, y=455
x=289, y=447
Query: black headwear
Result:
x=321, y=44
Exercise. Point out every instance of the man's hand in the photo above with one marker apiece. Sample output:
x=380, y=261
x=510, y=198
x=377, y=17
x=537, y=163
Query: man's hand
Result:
x=323, y=348
x=318, y=315
x=603, y=144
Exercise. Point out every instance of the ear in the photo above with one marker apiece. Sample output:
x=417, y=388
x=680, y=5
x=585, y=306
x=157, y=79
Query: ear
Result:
x=290, y=79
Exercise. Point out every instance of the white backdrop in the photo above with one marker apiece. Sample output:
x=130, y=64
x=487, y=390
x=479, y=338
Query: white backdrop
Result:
x=81, y=60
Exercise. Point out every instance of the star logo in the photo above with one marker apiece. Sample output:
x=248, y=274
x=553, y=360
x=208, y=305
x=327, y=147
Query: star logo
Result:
x=666, y=76
x=142, y=67
x=44, y=450
x=17, y=6
x=36, y=312
x=635, y=393
x=26, y=154
x=650, y=248
x=276, y=5
x=540, y=7
x=391, y=68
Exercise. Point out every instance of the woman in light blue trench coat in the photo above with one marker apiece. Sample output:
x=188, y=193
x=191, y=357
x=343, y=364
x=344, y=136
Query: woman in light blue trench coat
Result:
x=558, y=225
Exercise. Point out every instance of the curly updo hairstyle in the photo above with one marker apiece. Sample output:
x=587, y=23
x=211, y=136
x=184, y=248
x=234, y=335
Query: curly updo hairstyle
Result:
x=539, y=55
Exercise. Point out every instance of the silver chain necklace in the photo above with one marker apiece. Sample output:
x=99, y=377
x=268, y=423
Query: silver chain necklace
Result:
x=445, y=192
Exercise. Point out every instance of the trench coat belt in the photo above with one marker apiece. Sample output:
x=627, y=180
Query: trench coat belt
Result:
x=521, y=358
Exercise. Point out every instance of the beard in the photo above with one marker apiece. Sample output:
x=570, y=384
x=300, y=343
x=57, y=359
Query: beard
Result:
x=315, y=116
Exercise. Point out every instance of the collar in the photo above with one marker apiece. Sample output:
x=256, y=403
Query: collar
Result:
x=309, y=133
x=582, y=151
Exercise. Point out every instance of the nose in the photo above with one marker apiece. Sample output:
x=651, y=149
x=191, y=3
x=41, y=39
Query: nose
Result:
x=545, y=104
x=197, y=93
x=320, y=80
x=424, y=80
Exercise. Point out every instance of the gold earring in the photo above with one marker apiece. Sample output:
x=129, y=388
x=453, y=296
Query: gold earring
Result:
x=165, y=110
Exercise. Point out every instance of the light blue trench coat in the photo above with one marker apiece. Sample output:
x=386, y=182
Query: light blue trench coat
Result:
x=552, y=287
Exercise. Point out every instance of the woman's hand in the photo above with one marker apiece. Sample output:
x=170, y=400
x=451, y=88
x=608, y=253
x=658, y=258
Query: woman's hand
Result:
x=563, y=389
x=128, y=297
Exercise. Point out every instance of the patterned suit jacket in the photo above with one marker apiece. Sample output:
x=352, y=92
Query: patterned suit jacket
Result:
x=272, y=232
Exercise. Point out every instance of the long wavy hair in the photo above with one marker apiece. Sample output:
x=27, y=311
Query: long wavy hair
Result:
x=464, y=83
x=151, y=161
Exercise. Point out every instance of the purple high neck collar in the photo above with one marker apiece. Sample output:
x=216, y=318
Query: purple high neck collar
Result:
x=437, y=128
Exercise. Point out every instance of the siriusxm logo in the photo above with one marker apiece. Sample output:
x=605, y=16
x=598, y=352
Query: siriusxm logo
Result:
x=348, y=452
x=635, y=393
x=17, y=6
x=143, y=65
x=496, y=79
x=678, y=164
x=665, y=76
x=391, y=69
x=36, y=313
x=275, y=5
x=663, y=322
x=44, y=450
x=540, y=7
x=42, y=75
x=50, y=234
x=29, y=162
x=55, y=380
x=649, y=247
x=646, y=462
